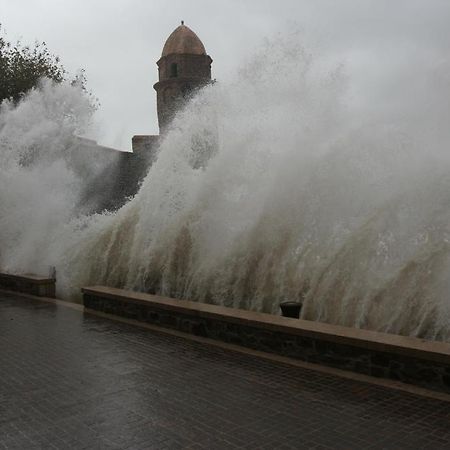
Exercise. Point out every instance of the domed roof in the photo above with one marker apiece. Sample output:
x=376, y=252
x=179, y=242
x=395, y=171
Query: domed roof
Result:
x=183, y=40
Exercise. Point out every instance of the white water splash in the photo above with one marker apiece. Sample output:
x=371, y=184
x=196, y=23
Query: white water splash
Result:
x=39, y=183
x=272, y=188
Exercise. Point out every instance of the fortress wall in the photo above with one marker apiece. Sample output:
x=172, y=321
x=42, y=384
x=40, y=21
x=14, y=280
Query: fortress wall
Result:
x=110, y=177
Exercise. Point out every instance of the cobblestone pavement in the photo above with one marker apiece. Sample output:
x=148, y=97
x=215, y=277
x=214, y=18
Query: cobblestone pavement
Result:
x=69, y=380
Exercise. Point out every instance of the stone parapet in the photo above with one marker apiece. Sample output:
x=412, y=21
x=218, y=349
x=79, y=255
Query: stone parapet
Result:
x=28, y=284
x=401, y=358
x=145, y=143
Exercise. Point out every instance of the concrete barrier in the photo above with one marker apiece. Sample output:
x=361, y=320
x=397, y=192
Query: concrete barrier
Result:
x=28, y=284
x=407, y=359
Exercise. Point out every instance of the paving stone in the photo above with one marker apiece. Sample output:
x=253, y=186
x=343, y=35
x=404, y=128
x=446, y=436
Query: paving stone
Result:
x=74, y=381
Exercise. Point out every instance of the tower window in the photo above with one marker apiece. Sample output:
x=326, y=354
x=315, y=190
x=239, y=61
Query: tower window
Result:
x=173, y=70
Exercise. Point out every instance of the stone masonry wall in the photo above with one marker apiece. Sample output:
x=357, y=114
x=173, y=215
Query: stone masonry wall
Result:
x=409, y=369
x=28, y=284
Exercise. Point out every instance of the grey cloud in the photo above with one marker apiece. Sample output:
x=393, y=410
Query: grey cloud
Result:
x=119, y=41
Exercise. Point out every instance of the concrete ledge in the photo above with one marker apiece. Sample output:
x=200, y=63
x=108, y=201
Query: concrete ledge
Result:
x=401, y=358
x=28, y=284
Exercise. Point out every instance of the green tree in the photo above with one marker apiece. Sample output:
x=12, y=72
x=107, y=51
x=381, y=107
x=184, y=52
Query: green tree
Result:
x=22, y=66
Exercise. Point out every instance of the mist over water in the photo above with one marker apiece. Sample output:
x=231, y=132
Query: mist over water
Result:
x=39, y=172
x=272, y=187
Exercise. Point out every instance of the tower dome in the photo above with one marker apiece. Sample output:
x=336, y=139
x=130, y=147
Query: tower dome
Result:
x=183, y=67
x=183, y=41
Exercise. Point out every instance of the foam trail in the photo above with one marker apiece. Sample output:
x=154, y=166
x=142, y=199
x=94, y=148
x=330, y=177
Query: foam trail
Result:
x=272, y=188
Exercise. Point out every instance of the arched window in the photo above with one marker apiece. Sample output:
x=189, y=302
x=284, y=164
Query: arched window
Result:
x=173, y=70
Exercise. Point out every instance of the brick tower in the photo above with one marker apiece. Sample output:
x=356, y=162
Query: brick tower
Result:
x=183, y=67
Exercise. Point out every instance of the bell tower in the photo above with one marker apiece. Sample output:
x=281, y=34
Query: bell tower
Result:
x=183, y=67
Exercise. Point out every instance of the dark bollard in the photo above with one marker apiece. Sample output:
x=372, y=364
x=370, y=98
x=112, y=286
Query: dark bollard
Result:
x=291, y=309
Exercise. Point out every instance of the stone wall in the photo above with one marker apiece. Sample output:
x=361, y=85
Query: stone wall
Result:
x=28, y=284
x=110, y=177
x=147, y=144
x=406, y=359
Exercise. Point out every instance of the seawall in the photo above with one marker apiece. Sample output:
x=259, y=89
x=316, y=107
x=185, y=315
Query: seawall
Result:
x=401, y=358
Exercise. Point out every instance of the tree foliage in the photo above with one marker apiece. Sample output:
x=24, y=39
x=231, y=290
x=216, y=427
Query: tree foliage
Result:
x=22, y=66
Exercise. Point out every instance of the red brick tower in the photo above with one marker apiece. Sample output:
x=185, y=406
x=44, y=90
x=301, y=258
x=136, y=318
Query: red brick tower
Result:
x=184, y=66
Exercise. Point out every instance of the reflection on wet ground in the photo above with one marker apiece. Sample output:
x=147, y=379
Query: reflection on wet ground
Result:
x=70, y=380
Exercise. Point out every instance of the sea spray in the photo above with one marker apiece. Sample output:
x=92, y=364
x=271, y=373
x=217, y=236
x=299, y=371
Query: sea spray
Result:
x=41, y=172
x=271, y=188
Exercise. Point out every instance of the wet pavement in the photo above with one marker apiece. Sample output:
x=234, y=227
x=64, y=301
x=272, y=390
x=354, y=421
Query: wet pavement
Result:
x=75, y=381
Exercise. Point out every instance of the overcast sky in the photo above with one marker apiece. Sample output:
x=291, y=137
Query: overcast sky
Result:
x=119, y=41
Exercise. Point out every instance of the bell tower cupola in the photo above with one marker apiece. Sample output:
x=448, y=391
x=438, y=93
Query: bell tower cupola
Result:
x=183, y=67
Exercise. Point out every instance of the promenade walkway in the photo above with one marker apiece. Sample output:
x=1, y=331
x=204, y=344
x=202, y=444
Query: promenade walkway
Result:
x=69, y=380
